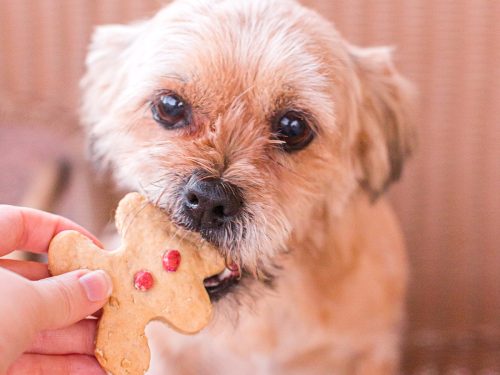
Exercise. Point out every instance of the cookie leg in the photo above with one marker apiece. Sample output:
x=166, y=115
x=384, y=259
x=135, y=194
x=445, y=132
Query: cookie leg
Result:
x=122, y=348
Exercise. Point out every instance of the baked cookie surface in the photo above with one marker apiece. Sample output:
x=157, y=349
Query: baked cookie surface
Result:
x=157, y=274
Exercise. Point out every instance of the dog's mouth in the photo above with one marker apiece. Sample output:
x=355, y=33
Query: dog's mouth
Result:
x=219, y=285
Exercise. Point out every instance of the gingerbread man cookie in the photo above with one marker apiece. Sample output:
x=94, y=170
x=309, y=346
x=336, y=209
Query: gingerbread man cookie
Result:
x=157, y=273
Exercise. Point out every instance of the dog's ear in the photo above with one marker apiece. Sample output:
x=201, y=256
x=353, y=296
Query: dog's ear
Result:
x=105, y=70
x=385, y=136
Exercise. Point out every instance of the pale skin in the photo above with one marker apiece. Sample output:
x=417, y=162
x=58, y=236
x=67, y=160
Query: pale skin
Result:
x=44, y=327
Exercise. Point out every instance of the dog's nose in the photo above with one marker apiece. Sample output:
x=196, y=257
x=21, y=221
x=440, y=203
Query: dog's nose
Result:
x=210, y=202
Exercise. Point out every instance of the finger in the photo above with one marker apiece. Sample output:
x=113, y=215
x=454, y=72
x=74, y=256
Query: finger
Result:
x=70, y=297
x=27, y=269
x=73, y=364
x=31, y=230
x=75, y=339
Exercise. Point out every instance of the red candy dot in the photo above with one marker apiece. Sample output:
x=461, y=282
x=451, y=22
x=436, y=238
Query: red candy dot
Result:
x=171, y=260
x=143, y=280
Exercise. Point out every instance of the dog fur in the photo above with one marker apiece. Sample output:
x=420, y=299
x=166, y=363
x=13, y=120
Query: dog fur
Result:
x=322, y=251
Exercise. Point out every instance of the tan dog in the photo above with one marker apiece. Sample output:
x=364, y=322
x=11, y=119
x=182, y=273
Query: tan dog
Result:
x=256, y=124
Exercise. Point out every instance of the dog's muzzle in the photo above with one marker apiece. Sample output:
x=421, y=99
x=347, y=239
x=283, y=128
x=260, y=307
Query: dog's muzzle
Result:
x=210, y=206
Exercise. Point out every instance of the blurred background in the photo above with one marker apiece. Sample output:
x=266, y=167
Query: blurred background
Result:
x=448, y=200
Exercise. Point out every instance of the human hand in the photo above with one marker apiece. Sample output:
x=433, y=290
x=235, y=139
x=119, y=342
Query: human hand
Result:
x=43, y=329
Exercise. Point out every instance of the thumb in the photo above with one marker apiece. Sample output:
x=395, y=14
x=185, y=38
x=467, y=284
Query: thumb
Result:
x=71, y=297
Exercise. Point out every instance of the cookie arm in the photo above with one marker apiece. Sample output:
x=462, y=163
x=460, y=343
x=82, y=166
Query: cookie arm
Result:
x=71, y=250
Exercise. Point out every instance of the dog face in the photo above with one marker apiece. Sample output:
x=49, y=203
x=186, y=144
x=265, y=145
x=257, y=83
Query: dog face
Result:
x=241, y=118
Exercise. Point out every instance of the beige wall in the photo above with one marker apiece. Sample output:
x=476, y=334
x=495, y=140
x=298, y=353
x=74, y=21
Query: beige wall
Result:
x=449, y=201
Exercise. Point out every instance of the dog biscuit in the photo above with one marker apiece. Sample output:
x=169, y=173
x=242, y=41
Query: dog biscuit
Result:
x=157, y=274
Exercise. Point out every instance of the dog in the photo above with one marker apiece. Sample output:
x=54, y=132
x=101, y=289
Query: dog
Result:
x=254, y=123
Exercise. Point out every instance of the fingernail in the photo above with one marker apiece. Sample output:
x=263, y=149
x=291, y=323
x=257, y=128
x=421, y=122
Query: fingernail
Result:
x=97, y=285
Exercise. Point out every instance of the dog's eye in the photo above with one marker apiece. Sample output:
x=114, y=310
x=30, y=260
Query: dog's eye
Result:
x=170, y=111
x=293, y=129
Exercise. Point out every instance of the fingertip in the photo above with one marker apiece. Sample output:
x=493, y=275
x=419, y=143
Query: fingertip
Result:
x=97, y=285
x=67, y=224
